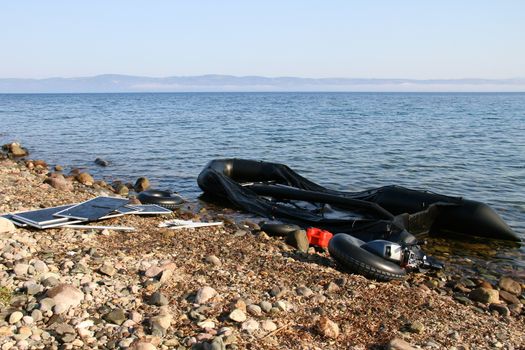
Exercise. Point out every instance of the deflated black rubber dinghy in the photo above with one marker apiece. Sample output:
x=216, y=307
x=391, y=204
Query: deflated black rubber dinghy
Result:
x=276, y=191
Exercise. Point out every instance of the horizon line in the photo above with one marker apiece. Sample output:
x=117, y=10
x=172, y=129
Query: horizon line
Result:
x=254, y=76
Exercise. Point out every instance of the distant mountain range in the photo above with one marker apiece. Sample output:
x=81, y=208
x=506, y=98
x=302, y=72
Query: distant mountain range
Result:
x=213, y=83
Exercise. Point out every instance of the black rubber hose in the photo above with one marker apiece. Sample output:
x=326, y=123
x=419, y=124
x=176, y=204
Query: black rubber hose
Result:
x=346, y=250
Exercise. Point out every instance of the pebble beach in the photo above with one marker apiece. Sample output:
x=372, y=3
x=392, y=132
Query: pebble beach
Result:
x=227, y=287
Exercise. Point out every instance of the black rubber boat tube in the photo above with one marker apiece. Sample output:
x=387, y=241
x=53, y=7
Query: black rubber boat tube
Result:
x=285, y=192
x=348, y=252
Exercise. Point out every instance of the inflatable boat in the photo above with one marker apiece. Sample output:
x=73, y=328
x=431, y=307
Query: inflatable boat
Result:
x=372, y=227
x=276, y=191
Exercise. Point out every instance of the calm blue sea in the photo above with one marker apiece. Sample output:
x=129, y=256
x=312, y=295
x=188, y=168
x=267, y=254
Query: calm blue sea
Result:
x=465, y=144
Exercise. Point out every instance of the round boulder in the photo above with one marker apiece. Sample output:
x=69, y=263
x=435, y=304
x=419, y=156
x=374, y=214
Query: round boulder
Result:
x=6, y=226
x=141, y=184
x=65, y=295
x=85, y=179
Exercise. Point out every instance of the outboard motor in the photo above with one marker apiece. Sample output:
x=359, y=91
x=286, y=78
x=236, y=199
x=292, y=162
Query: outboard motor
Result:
x=409, y=256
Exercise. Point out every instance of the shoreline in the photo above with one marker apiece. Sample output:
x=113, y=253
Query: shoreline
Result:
x=265, y=294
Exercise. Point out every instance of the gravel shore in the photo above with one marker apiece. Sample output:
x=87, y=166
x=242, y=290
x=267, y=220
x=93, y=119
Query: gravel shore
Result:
x=230, y=287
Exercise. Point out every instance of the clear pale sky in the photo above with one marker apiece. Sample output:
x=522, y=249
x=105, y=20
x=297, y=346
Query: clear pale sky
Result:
x=356, y=39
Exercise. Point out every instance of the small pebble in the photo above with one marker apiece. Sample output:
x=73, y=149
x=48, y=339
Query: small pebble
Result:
x=237, y=315
x=15, y=317
x=212, y=259
x=204, y=294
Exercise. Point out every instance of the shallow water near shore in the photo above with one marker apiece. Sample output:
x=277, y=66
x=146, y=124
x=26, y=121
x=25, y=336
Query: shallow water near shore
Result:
x=463, y=144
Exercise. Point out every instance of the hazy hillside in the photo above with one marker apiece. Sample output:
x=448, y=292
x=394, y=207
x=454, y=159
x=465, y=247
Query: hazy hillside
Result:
x=127, y=83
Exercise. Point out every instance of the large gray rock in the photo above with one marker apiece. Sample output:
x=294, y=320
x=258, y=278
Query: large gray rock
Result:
x=21, y=269
x=65, y=296
x=40, y=266
x=204, y=294
x=141, y=184
x=59, y=182
x=101, y=162
x=122, y=189
x=500, y=309
x=85, y=179
x=509, y=285
x=16, y=149
x=509, y=297
x=159, y=324
x=484, y=295
x=153, y=271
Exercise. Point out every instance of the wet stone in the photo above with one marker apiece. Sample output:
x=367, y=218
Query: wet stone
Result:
x=508, y=297
x=500, y=309
x=141, y=184
x=509, y=285
x=484, y=295
x=468, y=283
x=101, y=162
x=85, y=179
